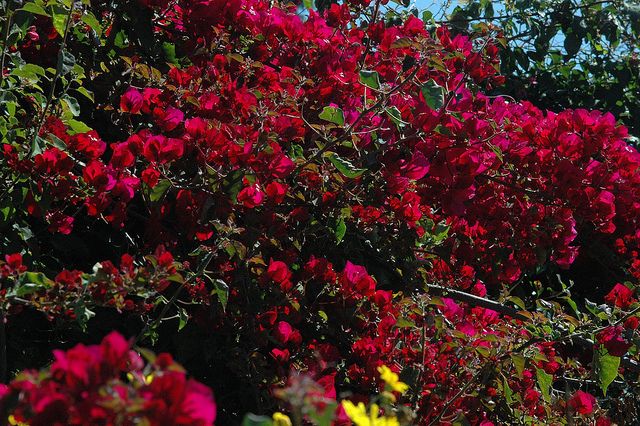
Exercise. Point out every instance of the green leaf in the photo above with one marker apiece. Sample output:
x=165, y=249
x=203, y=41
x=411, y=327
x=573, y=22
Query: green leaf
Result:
x=90, y=19
x=517, y=301
x=7, y=212
x=60, y=19
x=169, y=50
x=296, y=152
x=606, y=367
x=518, y=363
x=31, y=282
x=405, y=323
x=159, y=190
x=37, y=146
x=72, y=104
x=341, y=230
x=395, y=116
x=30, y=72
x=508, y=393
x=34, y=8
x=27, y=289
x=325, y=416
x=121, y=41
x=57, y=142
x=544, y=382
x=83, y=314
x=255, y=420
x=433, y=94
x=370, y=79
x=77, y=126
x=345, y=167
x=332, y=115
x=183, y=316
x=88, y=94
x=66, y=61
x=222, y=291
x=233, y=183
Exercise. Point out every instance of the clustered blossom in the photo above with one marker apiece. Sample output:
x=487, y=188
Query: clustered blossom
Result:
x=85, y=385
x=320, y=233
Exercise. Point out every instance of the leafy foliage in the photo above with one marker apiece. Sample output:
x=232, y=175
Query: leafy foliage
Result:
x=565, y=54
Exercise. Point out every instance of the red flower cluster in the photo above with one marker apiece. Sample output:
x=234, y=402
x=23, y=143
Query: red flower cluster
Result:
x=330, y=171
x=86, y=385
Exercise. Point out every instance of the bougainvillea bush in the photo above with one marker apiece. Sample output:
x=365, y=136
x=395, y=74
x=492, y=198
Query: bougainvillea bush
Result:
x=319, y=214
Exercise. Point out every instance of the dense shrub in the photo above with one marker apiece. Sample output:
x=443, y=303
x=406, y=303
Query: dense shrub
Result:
x=288, y=200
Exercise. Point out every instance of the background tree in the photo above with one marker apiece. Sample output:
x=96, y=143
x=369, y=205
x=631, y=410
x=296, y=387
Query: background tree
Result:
x=562, y=53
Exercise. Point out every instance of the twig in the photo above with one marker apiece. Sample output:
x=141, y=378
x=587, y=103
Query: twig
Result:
x=453, y=399
x=7, y=28
x=173, y=299
x=3, y=348
x=578, y=337
x=63, y=46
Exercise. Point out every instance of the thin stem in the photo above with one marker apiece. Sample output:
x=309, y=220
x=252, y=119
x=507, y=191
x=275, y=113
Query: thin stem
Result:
x=368, y=46
x=172, y=300
x=455, y=397
x=3, y=348
x=63, y=46
x=7, y=27
x=577, y=337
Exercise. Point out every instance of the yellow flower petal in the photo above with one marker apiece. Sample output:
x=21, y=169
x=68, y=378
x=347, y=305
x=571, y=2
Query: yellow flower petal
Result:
x=392, y=380
x=280, y=419
x=357, y=414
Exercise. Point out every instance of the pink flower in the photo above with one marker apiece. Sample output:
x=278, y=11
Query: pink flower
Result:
x=417, y=168
x=162, y=150
x=172, y=399
x=150, y=176
x=280, y=355
x=281, y=166
x=97, y=175
x=356, y=279
x=168, y=119
x=251, y=196
x=283, y=332
x=131, y=101
x=279, y=272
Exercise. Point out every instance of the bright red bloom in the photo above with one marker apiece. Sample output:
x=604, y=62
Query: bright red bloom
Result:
x=251, y=196
x=284, y=333
x=620, y=296
x=172, y=399
x=278, y=271
x=582, y=402
x=356, y=279
x=276, y=192
x=14, y=263
x=611, y=338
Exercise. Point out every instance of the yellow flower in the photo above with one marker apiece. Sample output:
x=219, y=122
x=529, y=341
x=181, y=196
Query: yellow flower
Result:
x=392, y=380
x=15, y=422
x=280, y=419
x=359, y=416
